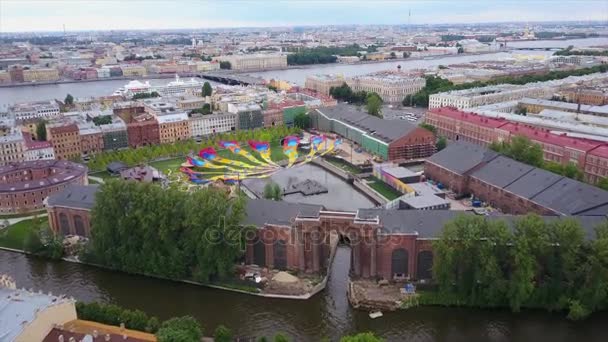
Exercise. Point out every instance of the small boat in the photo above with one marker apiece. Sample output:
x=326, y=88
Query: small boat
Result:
x=375, y=314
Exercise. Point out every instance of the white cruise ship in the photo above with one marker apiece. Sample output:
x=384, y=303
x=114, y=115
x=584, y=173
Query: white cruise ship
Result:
x=173, y=88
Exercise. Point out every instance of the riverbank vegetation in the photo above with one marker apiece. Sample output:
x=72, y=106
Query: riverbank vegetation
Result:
x=436, y=84
x=145, y=229
x=151, y=153
x=33, y=236
x=176, y=329
x=323, y=54
x=580, y=52
x=536, y=264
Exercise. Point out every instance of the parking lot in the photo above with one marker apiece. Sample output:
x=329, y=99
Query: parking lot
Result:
x=414, y=115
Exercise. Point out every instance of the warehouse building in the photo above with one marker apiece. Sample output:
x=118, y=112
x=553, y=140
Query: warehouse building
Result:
x=392, y=140
x=511, y=186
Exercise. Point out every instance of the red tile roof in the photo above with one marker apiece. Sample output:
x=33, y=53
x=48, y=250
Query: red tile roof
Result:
x=534, y=133
x=32, y=144
x=545, y=136
x=469, y=117
x=600, y=151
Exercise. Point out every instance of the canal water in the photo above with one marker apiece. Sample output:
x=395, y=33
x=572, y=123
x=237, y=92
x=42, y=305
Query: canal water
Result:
x=339, y=196
x=325, y=315
x=87, y=89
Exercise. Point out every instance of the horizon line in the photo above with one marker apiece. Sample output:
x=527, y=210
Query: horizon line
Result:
x=604, y=22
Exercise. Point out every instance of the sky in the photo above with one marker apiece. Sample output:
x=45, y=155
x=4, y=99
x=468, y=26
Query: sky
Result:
x=76, y=15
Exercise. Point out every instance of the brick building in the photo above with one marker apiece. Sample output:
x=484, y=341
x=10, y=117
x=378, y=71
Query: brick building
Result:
x=390, y=139
x=65, y=138
x=142, y=128
x=91, y=140
x=24, y=186
x=173, y=127
x=69, y=210
x=558, y=148
x=389, y=244
x=511, y=186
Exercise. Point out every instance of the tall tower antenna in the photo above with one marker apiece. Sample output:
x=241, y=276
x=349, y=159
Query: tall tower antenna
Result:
x=409, y=22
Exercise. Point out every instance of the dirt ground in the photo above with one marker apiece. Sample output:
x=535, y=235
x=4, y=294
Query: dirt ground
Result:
x=368, y=294
x=303, y=284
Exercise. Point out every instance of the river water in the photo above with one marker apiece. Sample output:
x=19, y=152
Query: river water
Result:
x=87, y=89
x=339, y=196
x=325, y=315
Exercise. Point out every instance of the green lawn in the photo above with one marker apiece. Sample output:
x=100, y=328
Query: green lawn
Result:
x=102, y=175
x=2, y=217
x=14, y=235
x=169, y=164
x=344, y=166
x=384, y=189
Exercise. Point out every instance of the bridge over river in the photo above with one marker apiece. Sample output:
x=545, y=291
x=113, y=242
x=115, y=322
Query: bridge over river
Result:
x=232, y=79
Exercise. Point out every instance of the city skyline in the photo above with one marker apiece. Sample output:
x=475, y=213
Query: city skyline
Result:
x=30, y=16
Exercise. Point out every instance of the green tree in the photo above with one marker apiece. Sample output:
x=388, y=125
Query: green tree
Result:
x=470, y=256
x=441, y=143
x=279, y=337
x=571, y=170
x=69, y=100
x=373, y=104
x=180, y=329
x=361, y=337
x=102, y=120
x=593, y=293
x=145, y=229
x=207, y=90
x=273, y=191
x=223, y=334
x=302, y=120
x=41, y=130
x=603, y=183
x=428, y=127
x=32, y=242
x=225, y=65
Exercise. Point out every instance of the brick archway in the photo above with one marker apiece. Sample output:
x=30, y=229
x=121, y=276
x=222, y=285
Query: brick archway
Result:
x=399, y=263
x=280, y=254
x=424, y=265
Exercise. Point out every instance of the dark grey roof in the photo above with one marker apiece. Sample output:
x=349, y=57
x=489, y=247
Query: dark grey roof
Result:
x=116, y=167
x=384, y=130
x=570, y=197
x=74, y=196
x=501, y=171
x=262, y=211
x=430, y=223
x=461, y=157
x=424, y=223
x=533, y=183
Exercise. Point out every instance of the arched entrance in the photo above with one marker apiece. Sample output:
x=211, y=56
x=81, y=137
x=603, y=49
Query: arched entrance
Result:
x=280, y=255
x=399, y=261
x=259, y=252
x=424, y=267
x=64, y=224
x=79, y=226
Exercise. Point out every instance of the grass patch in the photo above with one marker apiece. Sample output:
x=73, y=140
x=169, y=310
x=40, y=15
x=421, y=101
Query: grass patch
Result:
x=32, y=213
x=343, y=165
x=102, y=174
x=384, y=189
x=92, y=181
x=168, y=164
x=14, y=235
